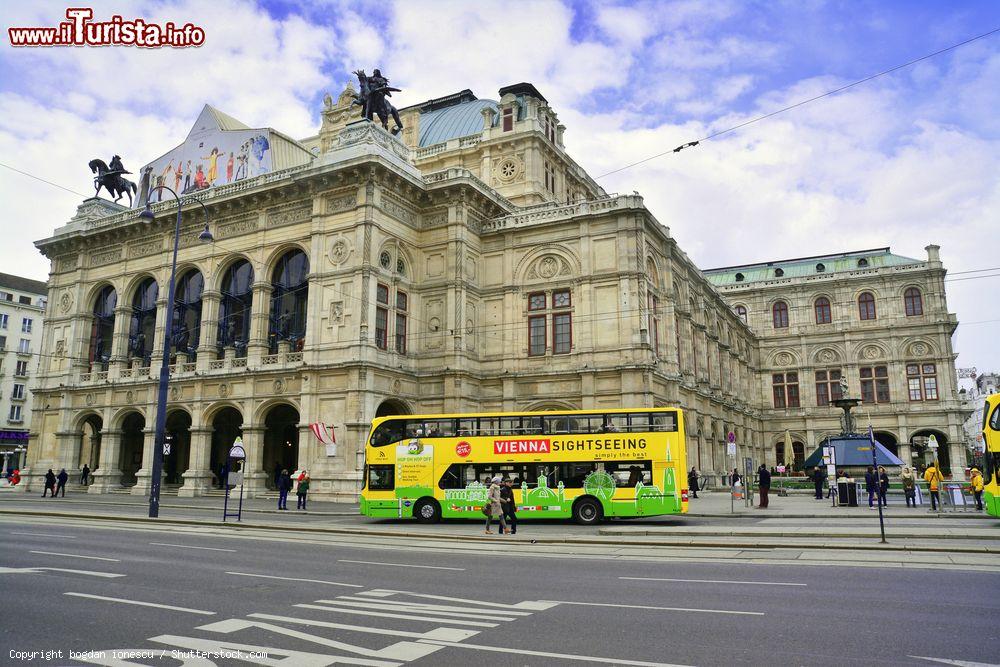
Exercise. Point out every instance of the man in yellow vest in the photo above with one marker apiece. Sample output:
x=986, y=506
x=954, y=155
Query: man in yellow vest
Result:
x=976, y=483
x=933, y=478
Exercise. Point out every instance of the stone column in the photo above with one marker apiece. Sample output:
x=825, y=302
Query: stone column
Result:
x=68, y=451
x=145, y=474
x=207, y=337
x=119, y=341
x=161, y=325
x=259, y=317
x=108, y=474
x=254, y=478
x=198, y=476
x=79, y=350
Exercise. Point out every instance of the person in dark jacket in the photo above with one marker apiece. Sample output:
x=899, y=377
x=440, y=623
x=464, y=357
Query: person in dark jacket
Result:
x=871, y=486
x=61, y=480
x=284, y=485
x=883, y=486
x=735, y=478
x=50, y=483
x=508, y=505
x=303, y=489
x=85, y=475
x=763, y=485
x=693, y=482
x=819, y=479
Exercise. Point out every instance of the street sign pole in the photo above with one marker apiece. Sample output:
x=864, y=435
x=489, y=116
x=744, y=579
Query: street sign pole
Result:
x=878, y=480
x=731, y=451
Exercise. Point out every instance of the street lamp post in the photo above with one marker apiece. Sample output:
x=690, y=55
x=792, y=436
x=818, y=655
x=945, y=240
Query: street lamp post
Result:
x=161, y=395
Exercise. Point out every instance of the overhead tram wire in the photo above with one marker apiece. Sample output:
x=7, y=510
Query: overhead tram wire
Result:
x=48, y=182
x=757, y=119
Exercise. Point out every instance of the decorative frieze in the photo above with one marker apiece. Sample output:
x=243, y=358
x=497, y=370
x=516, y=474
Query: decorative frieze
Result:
x=339, y=203
x=66, y=263
x=144, y=248
x=106, y=256
x=398, y=210
x=243, y=224
x=289, y=215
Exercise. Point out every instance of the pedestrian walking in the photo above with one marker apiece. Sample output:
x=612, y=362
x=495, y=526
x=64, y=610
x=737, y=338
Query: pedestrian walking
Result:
x=495, y=507
x=15, y=477
x=302, y=490
x=735, y=478
x=693, y=482
x=509, y=506
x=909, y=481
x=976, y=484
x=50, y=484
x=284, y=486
x=871, y=486
x=883, y=487
x=819, y=478
x=61, y=480
x=85, y=475
x=933, y=478
x=763, y=485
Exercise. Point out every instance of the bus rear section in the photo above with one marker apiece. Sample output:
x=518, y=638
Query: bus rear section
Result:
x=991, y=455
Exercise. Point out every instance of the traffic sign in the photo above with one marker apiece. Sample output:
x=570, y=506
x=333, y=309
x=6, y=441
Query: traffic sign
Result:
x=731, y=437
x=166, y=448
x=932, y=442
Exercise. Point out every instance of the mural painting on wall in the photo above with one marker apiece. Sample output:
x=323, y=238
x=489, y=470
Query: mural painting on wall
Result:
x=210, y=156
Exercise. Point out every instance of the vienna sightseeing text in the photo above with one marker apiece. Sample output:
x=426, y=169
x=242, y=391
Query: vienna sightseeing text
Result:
x=549, y=445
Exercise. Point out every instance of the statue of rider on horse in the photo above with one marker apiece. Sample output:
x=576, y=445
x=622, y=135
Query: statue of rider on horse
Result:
x=110, y=177
x=372, y=98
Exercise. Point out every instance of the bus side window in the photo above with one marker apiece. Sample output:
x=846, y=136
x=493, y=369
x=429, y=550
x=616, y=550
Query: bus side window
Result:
x=387, y=433
x=664, y=421
x=510, y=425
x=532, y=425
x=466, y=427
x=489, y=426
x=381, y=477
x=995, y=418
x=452, y=477
x=638, y=422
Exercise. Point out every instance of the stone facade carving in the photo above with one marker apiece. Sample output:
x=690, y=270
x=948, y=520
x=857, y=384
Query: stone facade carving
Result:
x=289, y=215
x=106, y=256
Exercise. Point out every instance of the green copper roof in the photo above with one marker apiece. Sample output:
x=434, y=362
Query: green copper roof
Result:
x=807, y=266
x=452, y=122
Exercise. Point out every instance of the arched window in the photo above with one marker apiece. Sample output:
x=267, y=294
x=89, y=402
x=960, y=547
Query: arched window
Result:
x=820, y=268
x=142, y=328
x=779, y=273
x=862, y=263
x=866, y=306
x=186, y=326
x=741, y=312
x=234, y=309
x=822, y=308
x=779, y=313
x=289, y=295
x=739, y=277
x=103, y=329
x=914, y=302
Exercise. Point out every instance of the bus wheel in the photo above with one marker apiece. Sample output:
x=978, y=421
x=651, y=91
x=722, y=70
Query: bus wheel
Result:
x=427, y=511
x=587, y=511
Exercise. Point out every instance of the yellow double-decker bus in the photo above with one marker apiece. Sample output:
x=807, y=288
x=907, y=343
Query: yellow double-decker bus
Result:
x=580, y=464
x=991, y=455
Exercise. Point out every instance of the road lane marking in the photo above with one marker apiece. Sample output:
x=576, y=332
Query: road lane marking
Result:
x=544, y=654
x=431, y=607
x=142, y=604
x=65, y=537
x=417, y=609
x=309, y=581
x=54, y=553
x=535, y=605
x=425, y=567
x=36, y=570
x=291, y=656
x=408, y=617
x=959, y=663
x=443, y=634
x=716, y=581
x=188, y=546
x=640, y=606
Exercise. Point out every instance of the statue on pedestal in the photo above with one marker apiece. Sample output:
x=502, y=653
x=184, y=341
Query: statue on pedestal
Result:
x=110, y=177
x=372, y=98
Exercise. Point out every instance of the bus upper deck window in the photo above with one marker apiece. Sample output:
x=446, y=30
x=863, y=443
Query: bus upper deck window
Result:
x=664, y=421
x=387, y=433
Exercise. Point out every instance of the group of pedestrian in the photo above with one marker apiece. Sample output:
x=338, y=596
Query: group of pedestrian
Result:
x=55, y=483
x=500, y=505
x=284, y=483
x=13, y=476
x=877, y=486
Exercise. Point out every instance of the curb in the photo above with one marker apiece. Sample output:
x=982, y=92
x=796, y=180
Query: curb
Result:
x=492, y=540
x=190, y=507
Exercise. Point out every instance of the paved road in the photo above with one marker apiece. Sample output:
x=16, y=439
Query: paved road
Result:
x=325, y=600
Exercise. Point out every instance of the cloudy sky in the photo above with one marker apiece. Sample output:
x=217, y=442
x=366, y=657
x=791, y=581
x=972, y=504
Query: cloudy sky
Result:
x=909, y=159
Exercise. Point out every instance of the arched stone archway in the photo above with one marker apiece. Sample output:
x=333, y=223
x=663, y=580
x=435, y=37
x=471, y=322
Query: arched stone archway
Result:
x=227, y=425
x=177, y=462
x=90, y=443
x=132, y=440
x=888, y=440
x=922, y=453
x=391, y=406
x=797, y=458
x=281, y=442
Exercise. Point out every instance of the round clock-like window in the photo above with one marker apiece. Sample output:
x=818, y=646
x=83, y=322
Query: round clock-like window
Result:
x=385, y=259
x=507, y=169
